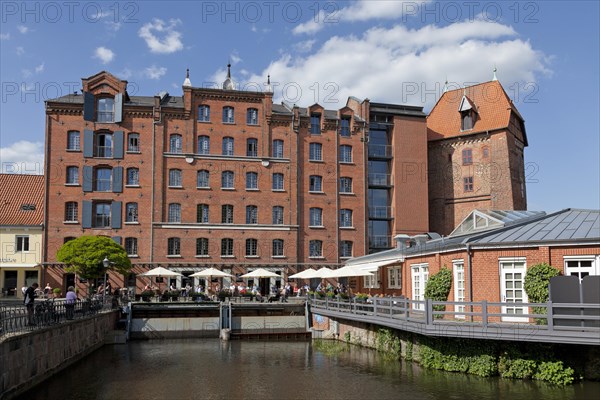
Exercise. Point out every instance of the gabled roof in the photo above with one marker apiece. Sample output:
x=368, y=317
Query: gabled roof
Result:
x=21, y=199
x=489, y=99
x=484, y=220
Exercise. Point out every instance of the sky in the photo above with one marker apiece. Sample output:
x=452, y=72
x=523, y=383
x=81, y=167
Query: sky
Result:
x=546, y=54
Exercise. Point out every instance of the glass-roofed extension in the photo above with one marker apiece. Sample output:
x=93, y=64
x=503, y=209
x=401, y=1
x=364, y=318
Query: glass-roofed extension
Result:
x=483, y=220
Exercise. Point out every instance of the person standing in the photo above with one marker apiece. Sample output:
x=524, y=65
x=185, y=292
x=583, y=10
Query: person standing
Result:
x=71, y=298
x=29, y=302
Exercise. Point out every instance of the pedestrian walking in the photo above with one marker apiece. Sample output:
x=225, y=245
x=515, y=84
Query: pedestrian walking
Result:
x=71, y=298
x=29, y=302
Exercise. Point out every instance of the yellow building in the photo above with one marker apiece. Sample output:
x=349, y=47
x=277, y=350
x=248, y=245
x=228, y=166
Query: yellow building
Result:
x=21, y=232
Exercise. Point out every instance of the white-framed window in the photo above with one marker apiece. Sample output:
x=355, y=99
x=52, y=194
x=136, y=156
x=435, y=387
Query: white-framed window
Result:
x=133, y=143
x=372, y=281
x=72, y=175
x=277, y=148
x=174, y=212
x=105, y=109
x=133, y=177
x=174, y=178
x=228, y=116
x=227, y=180
x=103, y=144
x=251, y=181
x=227, y=247
x=73, y=141
x=278, y=248
x=277, y=215
x=277, y=181
x=345, y=218
x=251, y=247
x=315, y=248
x=203, y=179
x=316, y=217
x=395, y=277
x=252, y=116
x=174, y=246
x=202, y=247
x=315, y=152
x=346, y=249
x=131, y=210
x=202, y=213
x=512, y=290
x=315, y=183
x=203, y=145
x=204, y=113
x=71, y=211
x=252, y=147
x=345, y=153
x=176, y=144
x=420, y=275
x=582, y=266
x=251, y=215
x=22, y=243
x=227, y=214
x=228, y=146
x=458, y=270
x=345, y=184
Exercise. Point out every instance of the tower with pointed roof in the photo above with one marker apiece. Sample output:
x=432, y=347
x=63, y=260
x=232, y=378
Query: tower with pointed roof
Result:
x=476, y=140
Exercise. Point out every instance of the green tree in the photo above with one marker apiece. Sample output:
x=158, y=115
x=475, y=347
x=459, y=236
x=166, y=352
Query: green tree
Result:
x=438, y=288
x=84, y=256
x=537, y=281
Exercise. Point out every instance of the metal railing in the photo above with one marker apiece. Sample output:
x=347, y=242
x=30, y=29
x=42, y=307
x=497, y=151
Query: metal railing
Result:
x=380, y=150
x=16, y=318
x=381, y=212
x=376, y=179
x=380, y=241
x=554, y=323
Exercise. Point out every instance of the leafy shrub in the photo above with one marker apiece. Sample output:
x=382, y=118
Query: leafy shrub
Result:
x=537, y=280
x=555, y=372
x=438, y=287
x=388, y=343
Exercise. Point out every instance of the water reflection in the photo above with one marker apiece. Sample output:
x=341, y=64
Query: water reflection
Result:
x=210, y=369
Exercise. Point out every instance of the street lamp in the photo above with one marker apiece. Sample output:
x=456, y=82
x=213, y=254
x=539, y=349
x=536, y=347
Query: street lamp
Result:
x=106, y=264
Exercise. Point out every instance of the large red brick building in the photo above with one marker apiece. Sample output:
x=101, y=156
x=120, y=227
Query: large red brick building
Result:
x=476, y=139
x=226, y=178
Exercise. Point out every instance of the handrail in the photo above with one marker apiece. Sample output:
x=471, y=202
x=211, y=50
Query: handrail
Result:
x=554, y=322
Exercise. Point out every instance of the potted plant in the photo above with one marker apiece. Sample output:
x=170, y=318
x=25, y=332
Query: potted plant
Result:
x=343, y=296
x=57, y=292
x=361, y=297
x=223, y=294
x=147, y=294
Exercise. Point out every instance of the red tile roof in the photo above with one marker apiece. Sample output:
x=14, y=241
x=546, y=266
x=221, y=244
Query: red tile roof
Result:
x=492, y=104
x=21, y=199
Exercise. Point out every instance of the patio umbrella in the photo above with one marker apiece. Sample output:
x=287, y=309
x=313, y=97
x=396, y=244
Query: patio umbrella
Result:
x=321, y=273
x=160, y=272
x=261, y=273
x=348, y=271
x=303, y=274
x=210, y=272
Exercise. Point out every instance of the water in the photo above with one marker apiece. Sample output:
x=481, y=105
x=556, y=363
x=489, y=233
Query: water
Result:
x=211, y=369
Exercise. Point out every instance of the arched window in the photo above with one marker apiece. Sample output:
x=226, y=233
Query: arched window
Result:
x=175, y=144
x=203, y=144
x=228, y=116
x=252, y=116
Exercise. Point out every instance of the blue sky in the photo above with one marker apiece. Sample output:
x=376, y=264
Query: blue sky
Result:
x=546, y=53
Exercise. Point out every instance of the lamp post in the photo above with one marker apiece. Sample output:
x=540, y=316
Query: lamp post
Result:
x=106, y=264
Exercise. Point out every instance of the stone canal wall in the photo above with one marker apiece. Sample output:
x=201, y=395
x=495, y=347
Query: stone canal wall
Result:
x=29, y=358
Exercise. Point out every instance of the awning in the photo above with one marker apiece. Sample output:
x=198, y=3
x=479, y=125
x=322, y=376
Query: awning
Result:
x=7, y=265
x=374, y=265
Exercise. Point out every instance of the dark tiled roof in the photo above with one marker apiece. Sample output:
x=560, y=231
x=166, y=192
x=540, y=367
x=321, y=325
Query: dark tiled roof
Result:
x=21, y=199
x=281, y=109
x=397, y=109
x=143, y=101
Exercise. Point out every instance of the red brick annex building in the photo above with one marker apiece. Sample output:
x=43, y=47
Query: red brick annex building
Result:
x=226, y=178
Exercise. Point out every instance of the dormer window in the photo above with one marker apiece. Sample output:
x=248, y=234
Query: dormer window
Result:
x=467, y=120
x=468, y=113
x=105, y=109
x=315, y=124
x=345, y=127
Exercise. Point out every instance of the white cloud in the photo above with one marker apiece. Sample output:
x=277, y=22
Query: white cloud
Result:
x=4, y=36
x=305, y=46
x=22, y=157
x=387, y=64
x=104, y=54
x=235, y=58
x=170, y=41
x=20, y=50
x=125, y=73
x=154, y=72
x=23, y=29
x=358, y=11
x=40, y=68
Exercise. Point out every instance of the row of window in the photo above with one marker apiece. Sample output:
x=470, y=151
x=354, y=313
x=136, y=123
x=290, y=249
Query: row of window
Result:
x=251, y=247
x=228, y=115
x=106, y=179
x=102, y=214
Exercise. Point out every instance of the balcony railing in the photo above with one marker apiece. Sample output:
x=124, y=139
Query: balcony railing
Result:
x=380, y=179
x=379, y=241
x=380, y=150
x=104, y=151
x=380, y=212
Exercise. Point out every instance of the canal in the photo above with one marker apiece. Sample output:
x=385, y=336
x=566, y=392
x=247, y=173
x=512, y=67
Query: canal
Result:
x=211, y=369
